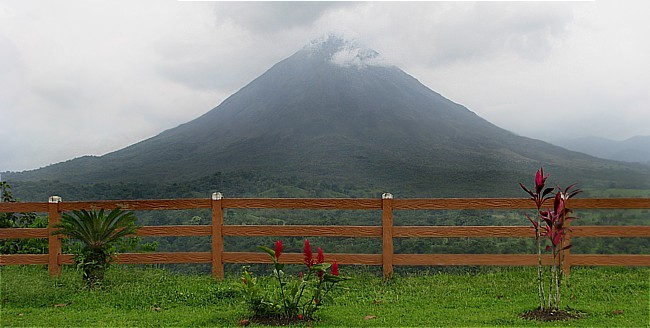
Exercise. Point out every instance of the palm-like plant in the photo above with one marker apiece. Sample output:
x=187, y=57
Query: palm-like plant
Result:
x=98, y=232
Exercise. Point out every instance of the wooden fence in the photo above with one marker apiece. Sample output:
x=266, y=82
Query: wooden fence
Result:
x=387, y=231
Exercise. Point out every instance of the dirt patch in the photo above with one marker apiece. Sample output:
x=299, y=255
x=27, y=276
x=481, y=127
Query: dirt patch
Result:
x=549, y=315
x=273, y=321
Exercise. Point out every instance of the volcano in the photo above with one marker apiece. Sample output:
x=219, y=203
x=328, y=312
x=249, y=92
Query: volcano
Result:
x=335, y=111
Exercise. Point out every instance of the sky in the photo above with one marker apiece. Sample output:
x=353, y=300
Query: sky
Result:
x=90, y=77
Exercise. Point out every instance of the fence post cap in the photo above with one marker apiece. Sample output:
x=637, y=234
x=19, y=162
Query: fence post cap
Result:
x=217, y=196
x=386, y=195
x=54, y=199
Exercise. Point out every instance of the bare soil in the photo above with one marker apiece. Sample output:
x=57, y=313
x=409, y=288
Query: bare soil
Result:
x=271, y=321
x=549, y=315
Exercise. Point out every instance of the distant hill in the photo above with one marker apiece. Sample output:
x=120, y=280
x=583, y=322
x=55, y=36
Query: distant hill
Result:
x=334, y=112
x=635, y=149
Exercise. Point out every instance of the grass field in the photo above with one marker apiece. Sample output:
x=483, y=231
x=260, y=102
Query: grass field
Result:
x=606, y=297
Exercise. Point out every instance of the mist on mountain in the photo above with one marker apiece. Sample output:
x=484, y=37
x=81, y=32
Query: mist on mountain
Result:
x=337, y=112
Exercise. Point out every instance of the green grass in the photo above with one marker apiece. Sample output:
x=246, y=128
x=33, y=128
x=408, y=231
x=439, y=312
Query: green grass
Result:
x=607, y=297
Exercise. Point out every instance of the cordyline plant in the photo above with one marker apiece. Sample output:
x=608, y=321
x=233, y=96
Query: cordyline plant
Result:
x=295, y=299
x=552, y=225
x=98, y=233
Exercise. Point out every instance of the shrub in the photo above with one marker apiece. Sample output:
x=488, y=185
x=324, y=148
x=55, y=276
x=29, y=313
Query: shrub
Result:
x=294, y=299
x=20, y=220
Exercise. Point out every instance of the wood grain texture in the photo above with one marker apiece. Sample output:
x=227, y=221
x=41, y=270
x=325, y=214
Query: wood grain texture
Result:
x=610, y=231
x=152, y=258
x=139, y=205
x=333, y=203
x=609, y=203
x=296, y=258
x=53, y=242
x=217, y=245
x=387, y=236
x=362, y=259
x=464, y=231
x=610, y=260
x=461, y=203
x=301, y=230
x=22, y=233
x=18, y=207
x=65, y=259
x=168, y=257
x=19, y=259
x=355, y=231
x=304, y=203
x=515, y=203
x=469, y=259
x=565, y=256
x=176, y=230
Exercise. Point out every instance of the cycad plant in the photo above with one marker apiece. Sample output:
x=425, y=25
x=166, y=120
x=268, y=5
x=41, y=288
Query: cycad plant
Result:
x=98, y=232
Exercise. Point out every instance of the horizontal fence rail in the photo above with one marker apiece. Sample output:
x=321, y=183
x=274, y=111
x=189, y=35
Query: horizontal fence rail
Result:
x=217, y=230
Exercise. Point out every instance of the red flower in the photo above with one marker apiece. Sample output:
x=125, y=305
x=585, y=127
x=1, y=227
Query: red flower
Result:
x=320, y=258
x=278, y=249
x=335, y=268
x=309, y=256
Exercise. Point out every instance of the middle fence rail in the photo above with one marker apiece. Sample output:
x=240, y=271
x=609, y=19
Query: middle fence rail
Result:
x=387, y=232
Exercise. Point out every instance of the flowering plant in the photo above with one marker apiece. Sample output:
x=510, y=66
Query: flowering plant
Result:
x=553, y=225
x=294, y=299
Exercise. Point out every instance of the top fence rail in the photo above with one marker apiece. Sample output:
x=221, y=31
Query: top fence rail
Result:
x=328, y=204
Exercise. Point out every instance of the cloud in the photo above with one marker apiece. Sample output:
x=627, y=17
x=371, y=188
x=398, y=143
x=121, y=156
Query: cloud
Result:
x=272, y=17
x=441, y=33
x=81, y=78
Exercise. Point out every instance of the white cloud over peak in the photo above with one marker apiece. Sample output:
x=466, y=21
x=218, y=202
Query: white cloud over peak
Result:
x=355, y=56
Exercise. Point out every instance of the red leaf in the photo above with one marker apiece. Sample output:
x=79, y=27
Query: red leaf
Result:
x=546, y=192
x=532, y=195
x=533, y=222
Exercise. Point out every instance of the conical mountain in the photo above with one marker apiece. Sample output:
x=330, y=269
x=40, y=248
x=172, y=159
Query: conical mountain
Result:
x=334, y=111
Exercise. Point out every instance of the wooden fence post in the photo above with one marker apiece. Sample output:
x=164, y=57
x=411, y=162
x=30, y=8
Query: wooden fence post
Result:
x=217, y=236
x=53, y=242
x=387, y=234
x=566, y=256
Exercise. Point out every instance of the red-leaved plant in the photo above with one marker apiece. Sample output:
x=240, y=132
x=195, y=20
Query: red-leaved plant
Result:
x=295, y=299
x=553, y=225
x=539, y=195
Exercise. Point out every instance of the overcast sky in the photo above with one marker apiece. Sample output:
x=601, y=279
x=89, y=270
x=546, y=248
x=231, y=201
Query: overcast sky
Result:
x=90, y=77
